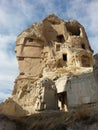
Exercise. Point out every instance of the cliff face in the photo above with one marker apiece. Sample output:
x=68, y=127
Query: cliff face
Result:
x=48, y=52
x=50, y=55
x=52, y=44
x=55, y=73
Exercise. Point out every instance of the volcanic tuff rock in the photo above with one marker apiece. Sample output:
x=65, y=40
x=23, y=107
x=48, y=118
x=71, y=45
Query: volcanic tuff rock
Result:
x=55, y=64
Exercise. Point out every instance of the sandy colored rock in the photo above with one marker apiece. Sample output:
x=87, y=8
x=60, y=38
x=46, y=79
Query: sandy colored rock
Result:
x=55, y=43
x=82, y=90
x=55, y=49
x=49, y=55
x=11, y=108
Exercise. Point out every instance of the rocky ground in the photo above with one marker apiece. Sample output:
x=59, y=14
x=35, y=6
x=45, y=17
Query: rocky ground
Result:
x=80, y=120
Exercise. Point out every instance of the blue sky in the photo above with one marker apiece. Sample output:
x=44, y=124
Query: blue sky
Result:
x=17, y=15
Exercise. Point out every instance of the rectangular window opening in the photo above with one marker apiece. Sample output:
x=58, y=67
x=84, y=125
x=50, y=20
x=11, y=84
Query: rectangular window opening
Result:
x=58, y=47
x=60, y=38
x=65, y=57
x=83, y=46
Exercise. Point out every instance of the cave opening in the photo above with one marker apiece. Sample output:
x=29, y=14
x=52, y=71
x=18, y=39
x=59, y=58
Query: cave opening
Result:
x=20, y=58
x=60, y=38
x=65, y=57
x=83, y=46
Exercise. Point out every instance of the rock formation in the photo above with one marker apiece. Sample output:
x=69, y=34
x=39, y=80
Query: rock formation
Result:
x=96, y=67
x=55, y=68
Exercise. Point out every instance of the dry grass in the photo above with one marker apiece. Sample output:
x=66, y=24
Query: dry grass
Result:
x=45, y=121
x=56, y=120
x=82, y=114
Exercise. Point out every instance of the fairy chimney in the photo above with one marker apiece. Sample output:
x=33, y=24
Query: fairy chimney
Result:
x=49, y=54
x=53, y=43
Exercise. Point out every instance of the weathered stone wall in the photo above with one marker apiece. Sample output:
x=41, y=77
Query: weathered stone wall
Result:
x=46, y=95
x=29, y=56
x=82, y=90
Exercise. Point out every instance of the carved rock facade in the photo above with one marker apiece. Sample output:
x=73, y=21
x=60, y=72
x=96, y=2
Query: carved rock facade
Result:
x=49, y=55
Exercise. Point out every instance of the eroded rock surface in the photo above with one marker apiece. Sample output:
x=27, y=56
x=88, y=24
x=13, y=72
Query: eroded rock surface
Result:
x=54, y=59
x=52, y=44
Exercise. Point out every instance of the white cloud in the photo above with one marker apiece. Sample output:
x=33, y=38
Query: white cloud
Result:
x=93, y=16
x=8, y=64
x=12, y=17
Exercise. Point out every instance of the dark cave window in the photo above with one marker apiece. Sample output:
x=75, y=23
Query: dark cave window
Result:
x=83, y=46
x=65, y=57
x=29, y=39
x=20, y=58
x=53, y=22
x=21, y=73
x=60, y=38
x=58, y=47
